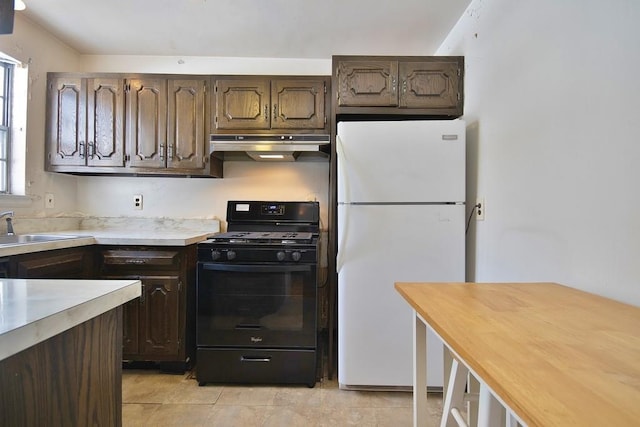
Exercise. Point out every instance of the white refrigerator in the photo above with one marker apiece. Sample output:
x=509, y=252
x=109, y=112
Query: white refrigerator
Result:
x=401, y=218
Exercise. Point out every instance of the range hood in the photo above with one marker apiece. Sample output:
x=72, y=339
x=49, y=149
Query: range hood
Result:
x=278, y=148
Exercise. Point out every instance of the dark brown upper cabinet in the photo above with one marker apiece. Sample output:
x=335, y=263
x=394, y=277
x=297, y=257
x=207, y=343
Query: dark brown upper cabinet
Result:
x=165, y=124
x=129, y=125
x=271, y=104
x=147, y=122
x=84, y=121
x=420, y=85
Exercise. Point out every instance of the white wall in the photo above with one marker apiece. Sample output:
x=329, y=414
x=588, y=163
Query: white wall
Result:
x=30, y=44
x=205, y=65
x=551, y=99
x=202, y=197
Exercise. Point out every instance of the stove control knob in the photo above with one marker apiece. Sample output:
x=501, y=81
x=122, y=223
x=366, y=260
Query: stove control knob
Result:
x=231, y=255
x=296, y=256
x=215, y=254
x=280, y=255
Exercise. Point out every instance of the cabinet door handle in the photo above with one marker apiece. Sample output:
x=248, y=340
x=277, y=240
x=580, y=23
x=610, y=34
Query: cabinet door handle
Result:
x=91, y=149
x=82, y=151
x=266, y=112
x=161, y=152
x=170, y=152
x=275, y=112
x=136, y=261
x=394, y=82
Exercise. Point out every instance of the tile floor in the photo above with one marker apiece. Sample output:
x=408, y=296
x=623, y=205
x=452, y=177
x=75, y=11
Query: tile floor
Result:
x=151, y=398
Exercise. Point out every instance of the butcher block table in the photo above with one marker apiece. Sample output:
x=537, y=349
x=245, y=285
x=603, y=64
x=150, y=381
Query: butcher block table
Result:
x=550, y=354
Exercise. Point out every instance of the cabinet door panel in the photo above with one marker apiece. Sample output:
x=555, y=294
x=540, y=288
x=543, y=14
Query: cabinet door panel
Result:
x=186, y=127
x=242, y=104
x=297, y=104
x=160, y=315
x=105, y=117
x=147, y=123
x=130, y=315
x=67, y=121
x=429, y=84
x=367, y=83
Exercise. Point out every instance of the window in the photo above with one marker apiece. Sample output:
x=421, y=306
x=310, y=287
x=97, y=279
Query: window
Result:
x=14, y=77
x=6, y=80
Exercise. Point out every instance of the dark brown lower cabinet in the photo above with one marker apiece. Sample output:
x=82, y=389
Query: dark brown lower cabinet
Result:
x=68, y=263
x=157, y=327
x=146, y=331
x=71, y=379
x=160, y=325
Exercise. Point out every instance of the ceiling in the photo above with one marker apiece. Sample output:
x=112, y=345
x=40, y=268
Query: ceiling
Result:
x=248, y=28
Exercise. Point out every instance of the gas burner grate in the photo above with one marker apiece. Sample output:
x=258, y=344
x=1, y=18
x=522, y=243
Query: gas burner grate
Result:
x=246, y=237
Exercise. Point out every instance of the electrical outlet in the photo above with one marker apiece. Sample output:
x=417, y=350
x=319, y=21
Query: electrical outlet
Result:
x=137, y=202
x=49, y=201
x=480, y=208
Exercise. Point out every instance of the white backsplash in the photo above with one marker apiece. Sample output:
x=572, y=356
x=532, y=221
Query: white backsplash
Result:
x=42, y=224
x=152, y=224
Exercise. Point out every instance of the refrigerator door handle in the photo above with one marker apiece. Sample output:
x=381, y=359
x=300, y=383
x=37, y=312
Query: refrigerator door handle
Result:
x=343, y=181
x=342, y=172
x=342, y=238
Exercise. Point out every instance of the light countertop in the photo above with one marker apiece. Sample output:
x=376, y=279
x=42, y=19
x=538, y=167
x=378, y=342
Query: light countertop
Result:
x=34, y=310
x=106, y=236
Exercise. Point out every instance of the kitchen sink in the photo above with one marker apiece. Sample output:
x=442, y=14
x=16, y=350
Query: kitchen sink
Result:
x=33, y=238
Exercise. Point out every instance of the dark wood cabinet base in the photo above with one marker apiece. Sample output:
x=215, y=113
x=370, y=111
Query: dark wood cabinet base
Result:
x=73, y=378
x=160, y=325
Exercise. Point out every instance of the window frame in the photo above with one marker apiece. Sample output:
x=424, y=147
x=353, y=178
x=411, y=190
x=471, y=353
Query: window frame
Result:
x=6, y=98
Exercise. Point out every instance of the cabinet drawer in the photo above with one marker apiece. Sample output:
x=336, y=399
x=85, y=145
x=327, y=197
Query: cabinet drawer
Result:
x=137, y=259
x=72, y=263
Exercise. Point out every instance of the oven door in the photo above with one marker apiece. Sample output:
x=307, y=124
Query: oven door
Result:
x=256, y=305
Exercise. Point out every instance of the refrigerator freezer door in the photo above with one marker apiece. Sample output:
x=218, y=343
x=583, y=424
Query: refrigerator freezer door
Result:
x=403, y=161
x=383, y=245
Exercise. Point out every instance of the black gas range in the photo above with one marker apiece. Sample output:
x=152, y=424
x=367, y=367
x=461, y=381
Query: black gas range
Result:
x=257, y=295
x=266, y=232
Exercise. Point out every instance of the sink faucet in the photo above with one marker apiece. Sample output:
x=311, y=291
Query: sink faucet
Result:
x=9, y=215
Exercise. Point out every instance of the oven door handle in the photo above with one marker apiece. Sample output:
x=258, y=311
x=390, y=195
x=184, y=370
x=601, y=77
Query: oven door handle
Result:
x=249, y=268
x=254, y=359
